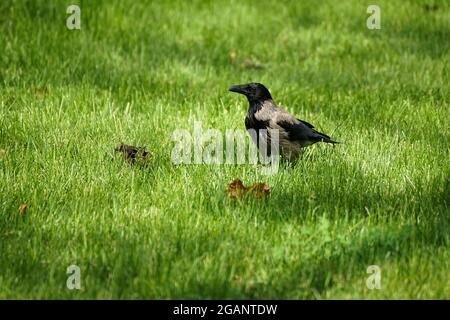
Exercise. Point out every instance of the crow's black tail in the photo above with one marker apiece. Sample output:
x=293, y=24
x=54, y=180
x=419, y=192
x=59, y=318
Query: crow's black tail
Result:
x=331, y=141
x=322, y=137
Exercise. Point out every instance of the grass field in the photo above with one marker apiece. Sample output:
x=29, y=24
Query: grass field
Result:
x=138, y=70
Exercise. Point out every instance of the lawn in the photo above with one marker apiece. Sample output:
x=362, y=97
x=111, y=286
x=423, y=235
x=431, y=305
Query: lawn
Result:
x=138, y=70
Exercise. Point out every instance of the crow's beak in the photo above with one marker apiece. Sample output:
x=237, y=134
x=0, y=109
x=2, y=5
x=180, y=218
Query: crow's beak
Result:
x=238, y=89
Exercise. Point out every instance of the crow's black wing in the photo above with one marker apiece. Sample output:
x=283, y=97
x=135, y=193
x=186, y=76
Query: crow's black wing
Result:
x=303, y=133
x=296, y=131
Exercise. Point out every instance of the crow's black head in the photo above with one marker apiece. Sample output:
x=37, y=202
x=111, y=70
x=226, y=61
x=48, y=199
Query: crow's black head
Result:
x=253, y=91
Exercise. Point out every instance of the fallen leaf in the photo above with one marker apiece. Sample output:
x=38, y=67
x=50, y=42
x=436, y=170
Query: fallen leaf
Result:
x=245, y=63
x=2, y=154
x=236, y=189
x=260, y=190
x=250, y=63
x=22, y=208
x=433, y=7
x=133, y=154
x=233, y=56
x=40, y=92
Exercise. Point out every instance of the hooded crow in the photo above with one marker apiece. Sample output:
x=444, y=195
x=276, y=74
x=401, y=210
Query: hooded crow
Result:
x=263, y=113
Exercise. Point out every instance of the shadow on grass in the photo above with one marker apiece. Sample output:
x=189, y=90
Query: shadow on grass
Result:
x=318, y=273
x=330, y=261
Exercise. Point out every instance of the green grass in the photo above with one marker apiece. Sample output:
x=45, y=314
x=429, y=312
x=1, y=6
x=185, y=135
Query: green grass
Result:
x=136, y=71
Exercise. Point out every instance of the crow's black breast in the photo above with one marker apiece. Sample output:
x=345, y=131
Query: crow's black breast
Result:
x=252, y=123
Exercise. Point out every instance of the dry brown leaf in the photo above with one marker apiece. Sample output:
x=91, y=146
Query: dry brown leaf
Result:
x=132, y=154
x=245, y=63
x=260, y=190
x=22, y=208
x=40, y=92
x=433, y=7
x=236, y=189
x=250, y=63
